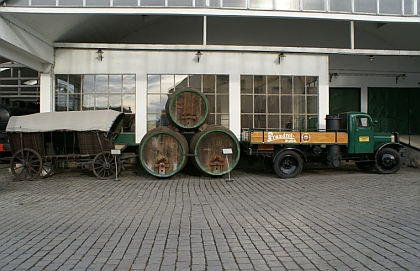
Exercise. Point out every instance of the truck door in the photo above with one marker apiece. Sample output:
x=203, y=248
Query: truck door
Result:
x=362, y=134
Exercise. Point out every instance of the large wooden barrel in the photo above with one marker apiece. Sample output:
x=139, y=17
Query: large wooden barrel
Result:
x=207, y=147
x=187, y=109
x=162, y=152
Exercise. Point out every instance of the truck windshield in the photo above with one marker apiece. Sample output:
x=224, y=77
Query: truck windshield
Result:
x=362, y=122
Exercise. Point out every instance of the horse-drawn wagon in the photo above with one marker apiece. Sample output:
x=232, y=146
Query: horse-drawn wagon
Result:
x=38, y=141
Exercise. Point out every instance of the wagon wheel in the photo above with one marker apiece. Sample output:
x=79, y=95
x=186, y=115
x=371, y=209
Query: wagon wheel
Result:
x=26, y=164
x=288, y=164
x=104, y=165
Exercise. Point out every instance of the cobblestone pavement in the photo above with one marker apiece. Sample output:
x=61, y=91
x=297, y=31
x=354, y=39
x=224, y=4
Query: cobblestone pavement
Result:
x=326, y=219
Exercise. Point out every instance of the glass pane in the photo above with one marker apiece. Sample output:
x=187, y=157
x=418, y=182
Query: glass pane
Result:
x=300, y=104
x=209, y=84
x=212, y=105
x=260, y=85
x=246, y=121
x=286, y=122
x=101, y=101
x=286, y=85
x=286, y=104
x=390, y=7
x=61, y=84
x=287, y=5
x=299, y=84
x=312, y=85
x=273, y=122
x=101, y=84
x=234, y=3
x=97, y=2
x=365, y=6
x=312, y=105
x=207, y=3
x=88, y=102
x=129, y=84
x=88, y=83
x=61, y=102
x=74, y=102
x=43, y=2
x=18, y=3
x=222, y=104
x=167, y=83
x=247, y=84
x=163, y=100
x=259, y=121
x=260, y=103
x=152, y=3
x=246, y=104
x=313, y=5
x=75, y=83
x=312, y=122
x=129, y=103
x=211, y=119
x=223, y=119
x=260, y=4
x=222, y=83
x=129, y=123
x=180, y=3
x=195, y=81
x=153, y=83
x=153, y=121
x=71, y=3
x=153, y=104
x=273, y=85
x=299, y=122
x=340, y=5
x=126, y=3
x=115, y=102
x=273, y=104
x=181, y=82
x=115, y=83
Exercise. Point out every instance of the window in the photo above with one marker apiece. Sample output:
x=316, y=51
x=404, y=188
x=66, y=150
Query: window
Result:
x=279, y=102
x=96, y=92
x=214, y=87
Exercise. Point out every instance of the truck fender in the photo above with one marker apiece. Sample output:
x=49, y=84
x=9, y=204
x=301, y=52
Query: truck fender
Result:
x=394, y=145
x=290, y=149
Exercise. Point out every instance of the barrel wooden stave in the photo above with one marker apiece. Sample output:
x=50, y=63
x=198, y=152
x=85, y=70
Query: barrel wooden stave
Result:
x=187, y=109
x=207, y=149
x=162, y=152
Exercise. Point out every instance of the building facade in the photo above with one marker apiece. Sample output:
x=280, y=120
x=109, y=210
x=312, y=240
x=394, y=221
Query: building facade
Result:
x=261, y=64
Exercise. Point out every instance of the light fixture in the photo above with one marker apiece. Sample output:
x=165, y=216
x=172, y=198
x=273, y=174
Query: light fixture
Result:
x=281, y=57
x=335, y=75
x=198, y=55
x=100, y=55
x=371, y=58
x=398, y=77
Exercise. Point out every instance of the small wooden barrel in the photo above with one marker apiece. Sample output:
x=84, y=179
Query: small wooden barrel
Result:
x=187, y=109
x=207, y=147
x=162, y=152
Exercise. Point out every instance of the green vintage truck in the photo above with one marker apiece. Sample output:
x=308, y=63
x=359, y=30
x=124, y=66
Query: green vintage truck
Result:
x=348, y=136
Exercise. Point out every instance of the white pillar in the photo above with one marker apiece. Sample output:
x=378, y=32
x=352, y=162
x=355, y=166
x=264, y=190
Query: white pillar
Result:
x=235, y=104
x=46, y=91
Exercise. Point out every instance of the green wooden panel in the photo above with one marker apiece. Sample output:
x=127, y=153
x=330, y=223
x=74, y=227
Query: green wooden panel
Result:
x=344, y=100
x=395, y=109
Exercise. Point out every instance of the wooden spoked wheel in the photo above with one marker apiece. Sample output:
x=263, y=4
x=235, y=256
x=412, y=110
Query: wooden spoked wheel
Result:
x=104, y=166
x=26, y=164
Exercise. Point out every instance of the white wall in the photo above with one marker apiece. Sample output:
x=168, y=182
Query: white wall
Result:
x=141, y=63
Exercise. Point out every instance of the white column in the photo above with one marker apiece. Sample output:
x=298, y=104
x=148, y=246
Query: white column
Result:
x=46, y=91
x=141, y=106
x=235, y=104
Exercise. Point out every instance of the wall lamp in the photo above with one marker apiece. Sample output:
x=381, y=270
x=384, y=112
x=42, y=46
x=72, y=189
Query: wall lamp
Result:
x=335, y=75
x=281, y=57
x=403, y=76
x=371, y=58
x=198, y=55
x=100, y=55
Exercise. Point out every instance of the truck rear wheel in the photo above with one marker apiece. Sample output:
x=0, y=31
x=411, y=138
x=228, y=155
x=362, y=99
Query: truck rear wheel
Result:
x=288, y=164
x=388, y=161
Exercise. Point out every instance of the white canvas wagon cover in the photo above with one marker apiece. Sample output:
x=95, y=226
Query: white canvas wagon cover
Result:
x=98, y=120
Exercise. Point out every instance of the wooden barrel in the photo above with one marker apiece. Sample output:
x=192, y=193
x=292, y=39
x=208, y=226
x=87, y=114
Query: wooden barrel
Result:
x=162, y=152
x=207, y=147
x=187, y=109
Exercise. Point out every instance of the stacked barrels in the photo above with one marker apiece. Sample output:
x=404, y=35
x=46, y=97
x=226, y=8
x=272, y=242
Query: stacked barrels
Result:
x=164, y=151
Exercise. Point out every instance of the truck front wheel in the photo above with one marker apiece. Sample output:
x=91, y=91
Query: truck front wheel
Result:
x=388, y=161
x=288, y=164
